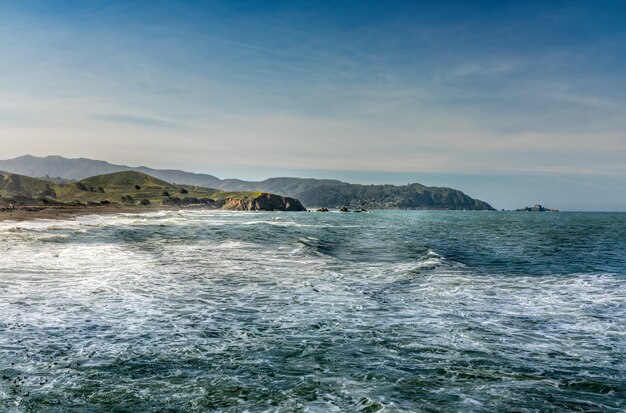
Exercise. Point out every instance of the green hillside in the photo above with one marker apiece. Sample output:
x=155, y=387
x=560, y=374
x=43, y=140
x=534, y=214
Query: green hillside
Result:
x=132, y=188
x=125, y=179
x=12, y=185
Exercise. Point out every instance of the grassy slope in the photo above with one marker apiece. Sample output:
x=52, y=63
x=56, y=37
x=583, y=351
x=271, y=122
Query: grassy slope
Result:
x=115, y=188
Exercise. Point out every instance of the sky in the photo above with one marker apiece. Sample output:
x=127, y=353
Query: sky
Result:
x=516, y=103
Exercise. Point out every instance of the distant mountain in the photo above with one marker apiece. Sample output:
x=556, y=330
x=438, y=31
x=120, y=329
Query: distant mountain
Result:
x=80, y=168
x=311, y=192
x=132, y=188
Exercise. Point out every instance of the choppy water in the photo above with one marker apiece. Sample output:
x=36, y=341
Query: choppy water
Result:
x=394, y=311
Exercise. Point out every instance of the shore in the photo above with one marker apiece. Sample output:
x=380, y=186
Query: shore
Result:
x=27, y=213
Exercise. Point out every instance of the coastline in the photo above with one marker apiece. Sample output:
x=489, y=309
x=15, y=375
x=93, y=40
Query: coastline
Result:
x=60, y=212
x=29, y=213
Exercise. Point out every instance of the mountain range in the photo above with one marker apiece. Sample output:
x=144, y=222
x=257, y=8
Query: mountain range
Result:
x=311, y=192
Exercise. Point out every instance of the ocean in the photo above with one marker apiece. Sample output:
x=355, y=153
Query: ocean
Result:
x=395, y=311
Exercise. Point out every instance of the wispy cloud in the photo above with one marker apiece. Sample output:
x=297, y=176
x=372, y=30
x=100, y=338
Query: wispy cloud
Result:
x=140, y=121
x=483, y=68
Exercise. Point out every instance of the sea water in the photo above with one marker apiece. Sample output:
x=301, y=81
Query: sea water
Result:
x=384, y=311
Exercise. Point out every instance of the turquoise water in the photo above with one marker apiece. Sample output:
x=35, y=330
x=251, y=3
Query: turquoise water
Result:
x=385, y=311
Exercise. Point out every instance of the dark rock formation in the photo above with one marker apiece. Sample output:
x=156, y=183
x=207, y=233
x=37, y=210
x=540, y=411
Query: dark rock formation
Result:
x=538, y=208
x=264, y=202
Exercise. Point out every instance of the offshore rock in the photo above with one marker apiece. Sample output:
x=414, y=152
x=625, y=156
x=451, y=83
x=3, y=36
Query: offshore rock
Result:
x=538, y=208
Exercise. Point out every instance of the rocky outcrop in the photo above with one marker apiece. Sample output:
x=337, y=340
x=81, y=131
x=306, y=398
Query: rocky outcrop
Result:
x=263, y=202
x=538, y=208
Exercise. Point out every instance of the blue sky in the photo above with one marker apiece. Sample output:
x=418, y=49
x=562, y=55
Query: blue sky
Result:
x=513, y=102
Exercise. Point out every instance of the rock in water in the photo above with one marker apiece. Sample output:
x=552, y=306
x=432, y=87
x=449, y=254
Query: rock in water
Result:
x=538, y=208
x=264, y=202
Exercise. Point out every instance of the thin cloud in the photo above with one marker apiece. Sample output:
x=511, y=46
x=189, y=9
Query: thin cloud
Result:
x=140, y=121
x=483, y=68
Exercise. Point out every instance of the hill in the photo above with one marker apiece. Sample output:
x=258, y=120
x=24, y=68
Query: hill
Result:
x=312, y=192
x=80, y=168
x=132, y=188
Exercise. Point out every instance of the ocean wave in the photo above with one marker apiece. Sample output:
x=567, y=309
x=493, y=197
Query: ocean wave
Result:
x=198, y=311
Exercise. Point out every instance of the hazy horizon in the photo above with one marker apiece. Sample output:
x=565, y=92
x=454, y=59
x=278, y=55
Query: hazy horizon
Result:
x=513, y=103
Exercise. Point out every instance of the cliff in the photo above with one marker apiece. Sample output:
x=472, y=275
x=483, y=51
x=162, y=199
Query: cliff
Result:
x=264, y=202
